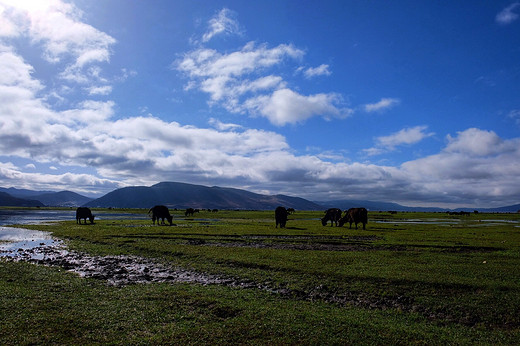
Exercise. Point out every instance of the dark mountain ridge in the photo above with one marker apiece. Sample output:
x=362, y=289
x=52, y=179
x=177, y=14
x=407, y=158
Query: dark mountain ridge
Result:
x=182, y=195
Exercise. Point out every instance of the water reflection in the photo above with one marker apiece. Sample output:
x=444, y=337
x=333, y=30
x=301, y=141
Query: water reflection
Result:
x=34, y=217
x=21, y=242
x=15, y=240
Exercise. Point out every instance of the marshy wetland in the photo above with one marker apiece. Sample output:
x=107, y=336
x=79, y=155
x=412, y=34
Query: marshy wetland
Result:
x=232, y=277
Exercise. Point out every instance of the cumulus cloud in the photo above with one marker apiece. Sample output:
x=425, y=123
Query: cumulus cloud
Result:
x=508, y=14
x=467, y=171
x=224, y=23
x=227, y=79
x=286, y=106
x=406, y=136
x=100, y=90
x=322, y=70
x=145, y=150
x=384, y=103
x=67, y=42
x=244, y=81
x=476, y=142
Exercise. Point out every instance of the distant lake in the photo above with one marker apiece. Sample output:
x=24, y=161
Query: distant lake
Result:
x=32, y=217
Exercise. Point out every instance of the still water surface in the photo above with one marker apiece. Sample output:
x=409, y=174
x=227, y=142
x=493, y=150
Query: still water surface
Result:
x=34, y=217
x=13, y=240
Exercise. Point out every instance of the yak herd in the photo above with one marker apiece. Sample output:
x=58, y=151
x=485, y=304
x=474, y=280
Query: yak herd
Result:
x=334, y=215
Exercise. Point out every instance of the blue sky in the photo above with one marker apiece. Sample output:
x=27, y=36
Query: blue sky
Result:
x=414, y=102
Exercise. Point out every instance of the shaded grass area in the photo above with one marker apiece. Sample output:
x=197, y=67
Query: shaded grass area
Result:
x=396, y=282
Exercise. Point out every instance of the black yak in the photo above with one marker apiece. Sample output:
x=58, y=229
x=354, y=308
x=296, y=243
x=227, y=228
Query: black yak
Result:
x=333, y=215
x=354, y=215
x=84, y=213
x=160, y=212
x=280, y=215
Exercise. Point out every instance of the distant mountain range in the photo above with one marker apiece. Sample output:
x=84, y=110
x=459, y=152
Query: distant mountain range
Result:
x=182, y=195
x=387, y=206
x=9, y=200
x=28, y=198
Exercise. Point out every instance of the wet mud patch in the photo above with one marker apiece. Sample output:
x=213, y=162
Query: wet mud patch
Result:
x=127, y=270
x=115, y=270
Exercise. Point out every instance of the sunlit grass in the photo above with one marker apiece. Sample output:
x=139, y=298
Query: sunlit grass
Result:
x=398, y=281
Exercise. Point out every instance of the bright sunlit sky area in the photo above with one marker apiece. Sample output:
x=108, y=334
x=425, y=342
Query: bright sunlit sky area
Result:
x=413, y=102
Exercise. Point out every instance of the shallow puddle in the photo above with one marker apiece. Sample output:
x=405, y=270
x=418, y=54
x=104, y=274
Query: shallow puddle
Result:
x=18, y=242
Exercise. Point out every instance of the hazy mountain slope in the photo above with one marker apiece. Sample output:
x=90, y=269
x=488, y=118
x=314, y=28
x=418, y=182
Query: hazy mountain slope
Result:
x=375, y=205
x=62, y=199
x=11, y=201
x=22, y=193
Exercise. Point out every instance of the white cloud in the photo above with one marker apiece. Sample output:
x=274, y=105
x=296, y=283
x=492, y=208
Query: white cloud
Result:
x=222, y=126
x=410, y=135
x=224, y=78
x=16, y=73
x=8, y=26
x=406, y=136
x=223, y=23
x=100, y=90
x=507, y=15
x=476, y=142
x=208, y=63
x=145, y=150
x=467, y=171
x=285, y=106
x=384, y=103
x=322, y=70
x=58, y=28
x=89, y=112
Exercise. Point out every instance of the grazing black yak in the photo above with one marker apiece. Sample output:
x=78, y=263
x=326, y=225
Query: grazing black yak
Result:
x=84, y=213
x=280, y=215
x=356, y=215
x=332, y=214
x=160, y=212
x=189, y=211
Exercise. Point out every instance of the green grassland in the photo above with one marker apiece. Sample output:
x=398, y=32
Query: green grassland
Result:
x=426, y=278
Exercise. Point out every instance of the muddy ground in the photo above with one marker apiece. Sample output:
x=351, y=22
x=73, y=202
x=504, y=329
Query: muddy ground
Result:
x=126, y=270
